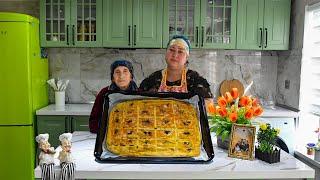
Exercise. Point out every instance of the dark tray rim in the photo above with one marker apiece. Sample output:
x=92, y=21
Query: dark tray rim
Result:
x=204, y=125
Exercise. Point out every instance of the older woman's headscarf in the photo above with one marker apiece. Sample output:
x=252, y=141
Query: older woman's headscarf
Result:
x=181, y=41
x=121, y=62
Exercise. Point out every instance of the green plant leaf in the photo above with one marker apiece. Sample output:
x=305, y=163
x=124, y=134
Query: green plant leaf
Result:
x=214, y=128
x=219, y=131
x=225, y=134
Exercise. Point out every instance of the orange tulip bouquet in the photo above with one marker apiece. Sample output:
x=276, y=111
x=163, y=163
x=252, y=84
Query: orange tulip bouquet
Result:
x=232, y=109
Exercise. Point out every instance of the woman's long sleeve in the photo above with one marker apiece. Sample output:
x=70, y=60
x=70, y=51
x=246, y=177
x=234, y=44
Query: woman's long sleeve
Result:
x=96, y=112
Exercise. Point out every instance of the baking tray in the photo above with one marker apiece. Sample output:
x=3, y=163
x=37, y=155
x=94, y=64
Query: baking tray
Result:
x=206, y=155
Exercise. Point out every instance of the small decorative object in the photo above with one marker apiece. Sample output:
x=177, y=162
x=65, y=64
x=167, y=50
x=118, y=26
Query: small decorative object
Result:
x=232, y=109
x=310, y=148
x=242, y=141
x=266, y=149
x=66, y=160
x=46, y=157
x=59, y=86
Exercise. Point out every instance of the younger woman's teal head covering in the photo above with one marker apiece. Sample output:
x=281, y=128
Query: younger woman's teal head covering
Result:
x=180, y=40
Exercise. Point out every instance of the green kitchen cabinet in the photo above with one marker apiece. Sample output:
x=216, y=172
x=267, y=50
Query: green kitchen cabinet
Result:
x=79, y=123
x=71, y=23
x=132, y=24
x=56, y=125
x=263, y=24
x=207, y=23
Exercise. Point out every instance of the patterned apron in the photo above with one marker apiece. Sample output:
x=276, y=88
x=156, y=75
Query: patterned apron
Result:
x=182, y=88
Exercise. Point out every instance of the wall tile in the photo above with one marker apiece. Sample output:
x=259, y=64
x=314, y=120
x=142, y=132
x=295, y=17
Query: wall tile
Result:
x=89, y=68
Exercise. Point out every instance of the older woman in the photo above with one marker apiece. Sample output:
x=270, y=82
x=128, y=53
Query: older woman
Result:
x=122, y=80
x=177, y=77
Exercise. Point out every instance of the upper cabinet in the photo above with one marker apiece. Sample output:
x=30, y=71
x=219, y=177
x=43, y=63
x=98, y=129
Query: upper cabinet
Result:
x=207, y=23
x=71, y=23
x=211, y=24
x=132, y=23
x=263, y=24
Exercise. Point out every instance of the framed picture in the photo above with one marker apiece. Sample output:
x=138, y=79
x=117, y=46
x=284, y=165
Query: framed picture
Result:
x=242, y=141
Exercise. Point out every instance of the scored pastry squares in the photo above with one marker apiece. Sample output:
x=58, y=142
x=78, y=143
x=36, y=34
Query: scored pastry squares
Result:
x=186, y=134
x=184, y=123
x=147, y=143
x=163, y=143
x=146, y=122
x=117, y=115
x=145, y=110
x=130, y=122
x=183, y=110
x=166, y=134
x=153, y=128
x=186, y=147
x=115, y=132
x=129, y=133
x=146, y=134
x=165, y=122
x=164, y=109
x=168, y=152
x=166, y=147
x=130, y=109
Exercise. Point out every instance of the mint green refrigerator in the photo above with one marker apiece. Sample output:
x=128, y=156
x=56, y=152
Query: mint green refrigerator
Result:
x=23, y=90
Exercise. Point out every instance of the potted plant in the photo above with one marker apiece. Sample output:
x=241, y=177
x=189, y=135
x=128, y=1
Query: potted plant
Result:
x=266, y=150
x=231, y=109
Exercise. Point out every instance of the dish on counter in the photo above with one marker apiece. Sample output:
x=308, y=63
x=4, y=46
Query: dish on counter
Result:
x=141, y=127
x=153, y=127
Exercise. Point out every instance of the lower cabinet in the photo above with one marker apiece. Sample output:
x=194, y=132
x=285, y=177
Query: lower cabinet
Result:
x=56, y=125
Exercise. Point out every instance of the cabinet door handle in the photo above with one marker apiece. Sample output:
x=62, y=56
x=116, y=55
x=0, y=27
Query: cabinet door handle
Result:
x=71, y=124
x=202, y=36
x=66, y=124
x=134, y=35
x=67, y=35
x=197, y=36
x=73, y=35
x=260, y=44
x=129, y=35
x=266, y=39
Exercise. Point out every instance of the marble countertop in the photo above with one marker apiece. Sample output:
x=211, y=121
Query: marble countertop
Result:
x=85, y=110
x=69, y=109
x=313, y=160
x=221, y=167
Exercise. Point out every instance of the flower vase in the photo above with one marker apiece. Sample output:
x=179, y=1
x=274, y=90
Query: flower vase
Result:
x=223, y=144
x=272, y=157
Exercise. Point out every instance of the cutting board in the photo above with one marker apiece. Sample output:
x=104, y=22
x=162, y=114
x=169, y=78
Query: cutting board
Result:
x=227, y=85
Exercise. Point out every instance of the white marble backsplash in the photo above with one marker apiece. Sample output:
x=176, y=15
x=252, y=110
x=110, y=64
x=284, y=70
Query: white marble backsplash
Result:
x=88, y=69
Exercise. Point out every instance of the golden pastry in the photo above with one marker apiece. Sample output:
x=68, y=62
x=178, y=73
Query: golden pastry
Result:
x=153, y=128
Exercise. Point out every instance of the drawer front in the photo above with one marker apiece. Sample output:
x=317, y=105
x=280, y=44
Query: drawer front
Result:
x=54, y=126
x=80, y=123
